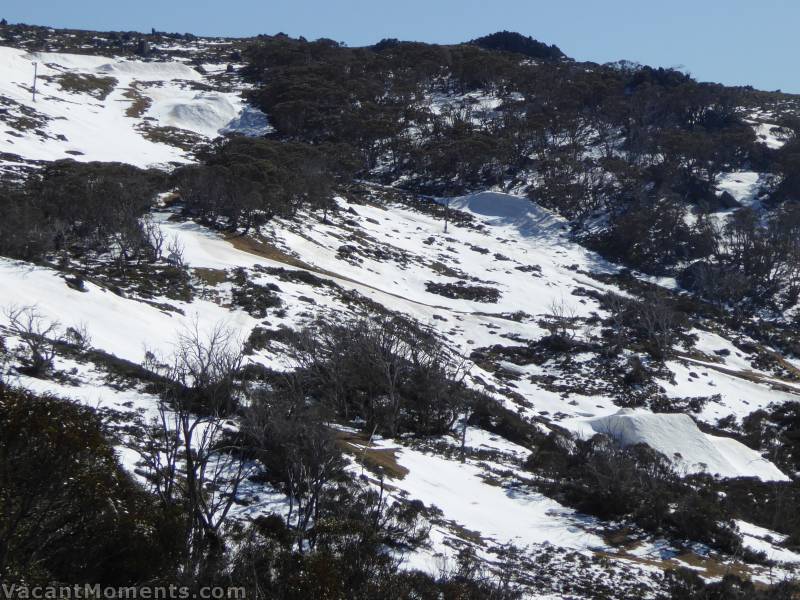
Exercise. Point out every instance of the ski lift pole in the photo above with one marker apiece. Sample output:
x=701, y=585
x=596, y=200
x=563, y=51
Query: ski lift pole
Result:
x=35, y=72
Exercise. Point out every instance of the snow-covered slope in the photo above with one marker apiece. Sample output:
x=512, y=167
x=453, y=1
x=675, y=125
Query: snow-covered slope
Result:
x=479, y=496
x=91, y=107
x=487, y=286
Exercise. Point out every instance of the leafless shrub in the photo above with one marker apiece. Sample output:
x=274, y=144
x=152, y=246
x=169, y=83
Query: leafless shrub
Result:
x=37, y=335
x=79, y=336
x=192, y=451
x=154, y=236
x=175, y=252
x=561, y=319
x=386, y=370
x=659, y=321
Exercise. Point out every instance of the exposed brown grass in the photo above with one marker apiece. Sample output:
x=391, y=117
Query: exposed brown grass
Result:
x=212, y=277
x=249, y=244
x=382, y=461
x=794, y=372
x=465, y=534
x=773, y=382
x=83, y=83
x=139, y=102
x=708, y=567
x=172, y=136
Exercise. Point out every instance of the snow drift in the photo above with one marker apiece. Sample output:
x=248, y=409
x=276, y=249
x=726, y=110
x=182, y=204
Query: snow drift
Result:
x=150, y=70
x=203, y=112
x=509, y=210
x=677, y=436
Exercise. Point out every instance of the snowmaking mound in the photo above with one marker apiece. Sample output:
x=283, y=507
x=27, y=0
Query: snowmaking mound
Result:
x=79, y=62
x=103, y=65
x=70, y=122
x=506, y=209
x=204, y=113
x=677, y=436
x=160, y=71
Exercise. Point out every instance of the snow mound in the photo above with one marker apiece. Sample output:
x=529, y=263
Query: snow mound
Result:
x=204, y=113
x=506, y=209
x=70, y=123
x=103, y=65
x=150, y=70
x=677, y=436
x=84, y=62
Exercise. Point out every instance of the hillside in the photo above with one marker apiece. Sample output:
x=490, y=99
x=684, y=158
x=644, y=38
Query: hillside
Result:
x=408, y=319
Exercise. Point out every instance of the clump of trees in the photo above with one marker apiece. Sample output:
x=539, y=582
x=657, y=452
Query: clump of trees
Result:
x=70, y=514
x=386, y=371
x=631, y=148
x=757, y=260
x=351, y=560
x=653, y=235
x=191, y=451
x=70, y=209
x=653, y=324
x=685, y=584
x=602, y=478
x=776, y=431
x=244, y=182
x=651, y=126
x=68, y=511
x=509, y=41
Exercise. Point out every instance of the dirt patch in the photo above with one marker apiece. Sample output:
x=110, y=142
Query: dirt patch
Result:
x=249, y=244
x=382, y=461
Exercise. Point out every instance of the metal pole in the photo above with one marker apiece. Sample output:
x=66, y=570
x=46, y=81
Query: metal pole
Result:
x=35, y=71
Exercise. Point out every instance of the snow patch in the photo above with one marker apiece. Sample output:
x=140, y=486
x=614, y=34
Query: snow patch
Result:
x=150, y=70
x=677, y=436
x=204, y=112
x=506, y=209
x=742, y=185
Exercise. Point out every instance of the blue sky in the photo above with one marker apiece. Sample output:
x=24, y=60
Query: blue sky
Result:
x=731, y=41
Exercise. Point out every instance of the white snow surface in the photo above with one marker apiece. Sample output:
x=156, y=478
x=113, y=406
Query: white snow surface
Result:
x=742, y=185
x=499, y=514
x=81, y=126
x=764, y=540
x=205, y=113
x=121, y=326
x=677, y=436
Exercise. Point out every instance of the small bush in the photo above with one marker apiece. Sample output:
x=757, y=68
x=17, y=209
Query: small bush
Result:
x=463, y=291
